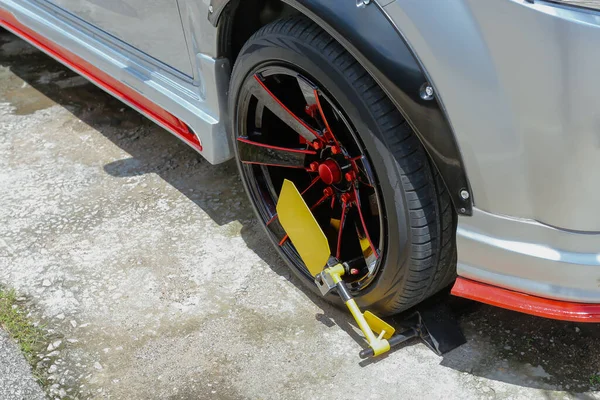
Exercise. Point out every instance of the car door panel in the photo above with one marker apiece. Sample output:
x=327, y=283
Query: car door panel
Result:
x=151, y=26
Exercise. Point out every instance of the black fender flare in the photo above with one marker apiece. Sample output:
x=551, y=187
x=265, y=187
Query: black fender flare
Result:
x=368, y=34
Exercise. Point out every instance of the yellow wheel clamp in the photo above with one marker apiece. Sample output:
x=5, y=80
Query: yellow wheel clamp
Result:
x=309, y=240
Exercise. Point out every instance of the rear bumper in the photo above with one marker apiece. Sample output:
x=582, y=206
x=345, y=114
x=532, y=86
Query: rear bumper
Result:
x=529, y=257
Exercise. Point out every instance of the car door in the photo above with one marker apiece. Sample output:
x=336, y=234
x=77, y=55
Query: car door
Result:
x=151, y=26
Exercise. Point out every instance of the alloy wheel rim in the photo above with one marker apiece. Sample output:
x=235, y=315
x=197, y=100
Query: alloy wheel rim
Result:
x=290, y=128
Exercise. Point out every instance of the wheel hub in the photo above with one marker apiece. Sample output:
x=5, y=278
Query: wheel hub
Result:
x=330, y=172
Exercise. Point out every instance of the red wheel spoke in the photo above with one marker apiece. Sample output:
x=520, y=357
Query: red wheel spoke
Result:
x=311, y=95
x=364, y=225
x=321, y=200
x=251, y=152
x=341, y=231
x=328, y=131
x=264, y=95
x=314, y=181
x=273, y=218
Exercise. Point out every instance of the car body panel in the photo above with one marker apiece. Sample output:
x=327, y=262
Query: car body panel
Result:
x=520, y=84
x=151, y=26
x=529, y=257
x=103, y=80
x=197, y=103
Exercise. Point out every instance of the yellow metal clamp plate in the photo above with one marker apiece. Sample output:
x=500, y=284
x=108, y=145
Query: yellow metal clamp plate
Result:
x=303, y=230
x=378, y=325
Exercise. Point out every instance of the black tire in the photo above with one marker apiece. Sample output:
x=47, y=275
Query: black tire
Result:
x=420, y=253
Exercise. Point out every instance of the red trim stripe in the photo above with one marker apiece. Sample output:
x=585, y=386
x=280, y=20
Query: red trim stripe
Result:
x=539, y=306
x=102, y=79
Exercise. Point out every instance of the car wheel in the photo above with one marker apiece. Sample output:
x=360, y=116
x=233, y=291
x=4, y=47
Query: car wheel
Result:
x=303, y=109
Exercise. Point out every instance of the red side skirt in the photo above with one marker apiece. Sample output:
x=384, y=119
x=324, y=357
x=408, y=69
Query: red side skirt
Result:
x=555, y=309
x=102, y=79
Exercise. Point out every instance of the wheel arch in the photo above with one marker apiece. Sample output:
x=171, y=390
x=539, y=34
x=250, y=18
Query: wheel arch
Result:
x=368, y=34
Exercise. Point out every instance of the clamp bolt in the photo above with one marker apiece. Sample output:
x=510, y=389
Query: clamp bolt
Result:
x=346, y=197
x=464, y=194
x=426, y=92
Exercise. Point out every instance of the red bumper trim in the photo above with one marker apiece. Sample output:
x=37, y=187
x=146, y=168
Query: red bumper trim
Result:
x=102, y=79
x=542, y=307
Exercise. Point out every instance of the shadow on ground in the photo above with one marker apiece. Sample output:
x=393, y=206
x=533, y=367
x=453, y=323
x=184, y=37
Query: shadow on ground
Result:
x=502, y=345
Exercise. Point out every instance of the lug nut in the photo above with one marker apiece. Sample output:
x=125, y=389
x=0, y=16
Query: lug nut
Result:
x=314, y=166
x=328, y=191
x=350, y=176
x=335, y=150
x=346, y=197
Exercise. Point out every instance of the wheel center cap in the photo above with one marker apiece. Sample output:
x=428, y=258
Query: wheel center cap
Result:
x=330, y=172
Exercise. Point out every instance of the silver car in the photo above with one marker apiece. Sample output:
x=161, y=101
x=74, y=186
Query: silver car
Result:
x=436, y=142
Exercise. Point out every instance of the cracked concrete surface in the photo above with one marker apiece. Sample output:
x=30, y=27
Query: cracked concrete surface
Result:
x=147, y=266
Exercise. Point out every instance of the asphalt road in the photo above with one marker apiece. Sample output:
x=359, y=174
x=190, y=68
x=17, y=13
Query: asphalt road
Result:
x=147, y=266
x=16, y=380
